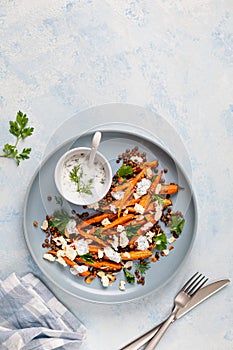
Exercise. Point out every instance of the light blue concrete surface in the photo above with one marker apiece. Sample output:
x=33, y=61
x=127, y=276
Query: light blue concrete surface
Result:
x=58, y=58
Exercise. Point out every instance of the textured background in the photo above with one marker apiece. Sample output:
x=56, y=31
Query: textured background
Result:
x=58, y=58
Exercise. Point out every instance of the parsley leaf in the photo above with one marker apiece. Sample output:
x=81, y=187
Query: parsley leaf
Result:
x=20, y=131
x=125, y=171
x=160, y=242
x=129, y=277
x=157, y=197
x=60, y=219
x=100, y=235
x=132, y=230
x=177, y=224
x=87, y=257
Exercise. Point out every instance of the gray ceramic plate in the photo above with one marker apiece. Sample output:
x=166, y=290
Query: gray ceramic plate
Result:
x=37, y=207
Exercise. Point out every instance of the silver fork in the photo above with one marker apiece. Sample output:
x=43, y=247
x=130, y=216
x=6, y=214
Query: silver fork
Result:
x=181, y=300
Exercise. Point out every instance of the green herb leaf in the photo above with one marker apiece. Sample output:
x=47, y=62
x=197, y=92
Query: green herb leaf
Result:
x=10, y=150
x=87, y=257
x=76, y=176
x=100, y=235
x=59, y=200
x=60, y=219
x=23, y=155
x=129, y=276
x=20, y=131
x=177, y=224
x=160, y=242
x=157, y=197
x=125, y=171
x=142, y=266
x=132, y=230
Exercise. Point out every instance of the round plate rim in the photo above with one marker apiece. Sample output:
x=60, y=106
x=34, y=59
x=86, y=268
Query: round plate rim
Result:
x=193, y=196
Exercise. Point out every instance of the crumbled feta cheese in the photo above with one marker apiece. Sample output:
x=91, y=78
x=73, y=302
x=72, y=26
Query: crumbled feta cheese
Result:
x=70, y=252
x=115, y=242
x=60, y=241
x=60, y=253
x=136, y=195
x=113, y=208
x=44, y=225
x=139, y=218
x=122, y=285
x=171, y=240
x=149, y=173
x=147, y=226
x=139, y=208
x=101, y=274
x=158, y=211
x=150, y=236
x=112, y=255
x=166, y=251
x=105, y=281
x=142, y=243
x=126, y=255
x=94, y=206
x=71, y=227
x=136, y=159
x=76, y=269
x=117, y=195
x=158, y=242
x=105, y=222
x=128, y=264
x=61, y=261
x=100, y=253
x=81, y=246
x=158, y=189
x=123, y=239
x=120, y=228
x=143, y=186
x=49, y=257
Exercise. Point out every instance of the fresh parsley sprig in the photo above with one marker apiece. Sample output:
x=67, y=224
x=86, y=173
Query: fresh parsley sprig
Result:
x=125, y=171
x=21, y=131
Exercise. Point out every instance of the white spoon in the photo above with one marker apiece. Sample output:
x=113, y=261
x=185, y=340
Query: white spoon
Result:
x=94, y=145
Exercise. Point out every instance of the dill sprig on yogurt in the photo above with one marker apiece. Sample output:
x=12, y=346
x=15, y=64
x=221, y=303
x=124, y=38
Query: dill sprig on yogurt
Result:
x=76, y=175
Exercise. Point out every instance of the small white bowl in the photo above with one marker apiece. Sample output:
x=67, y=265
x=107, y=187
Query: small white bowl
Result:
x=92, y=183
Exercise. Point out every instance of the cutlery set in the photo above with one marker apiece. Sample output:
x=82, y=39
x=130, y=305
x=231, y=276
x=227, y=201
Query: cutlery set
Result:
x=190, y=295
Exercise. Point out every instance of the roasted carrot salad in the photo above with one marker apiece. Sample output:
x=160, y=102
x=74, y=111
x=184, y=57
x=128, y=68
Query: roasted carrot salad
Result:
x=132, y=227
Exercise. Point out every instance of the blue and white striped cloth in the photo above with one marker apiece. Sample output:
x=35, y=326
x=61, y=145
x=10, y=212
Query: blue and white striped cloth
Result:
x=31, y=317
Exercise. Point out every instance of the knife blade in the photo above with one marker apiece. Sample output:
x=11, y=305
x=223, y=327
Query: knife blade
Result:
x=203, y=294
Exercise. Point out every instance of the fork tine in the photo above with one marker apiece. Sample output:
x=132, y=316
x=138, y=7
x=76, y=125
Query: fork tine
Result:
x=189, y=281
x=197, y=286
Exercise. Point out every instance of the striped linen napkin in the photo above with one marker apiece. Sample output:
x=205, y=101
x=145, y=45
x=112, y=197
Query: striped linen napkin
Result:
x=32, y=318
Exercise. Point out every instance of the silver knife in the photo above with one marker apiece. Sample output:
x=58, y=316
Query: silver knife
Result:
x=199, y=297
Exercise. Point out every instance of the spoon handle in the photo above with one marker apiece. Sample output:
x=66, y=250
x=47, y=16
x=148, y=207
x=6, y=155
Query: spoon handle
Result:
x=95, y=144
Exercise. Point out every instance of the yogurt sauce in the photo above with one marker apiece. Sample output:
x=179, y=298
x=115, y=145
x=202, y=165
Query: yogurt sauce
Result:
x=81, y=182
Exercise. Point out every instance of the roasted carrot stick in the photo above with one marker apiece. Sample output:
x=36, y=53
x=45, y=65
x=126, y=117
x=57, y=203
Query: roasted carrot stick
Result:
x=169, y=189
x=119, y=221
x=136, y=255
x=116, y=203
x=69, y=262
x=130, y=188
x=102, y=265
x=95, y=219
x=145, y=201
x=93, y=238
x=166, y=203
